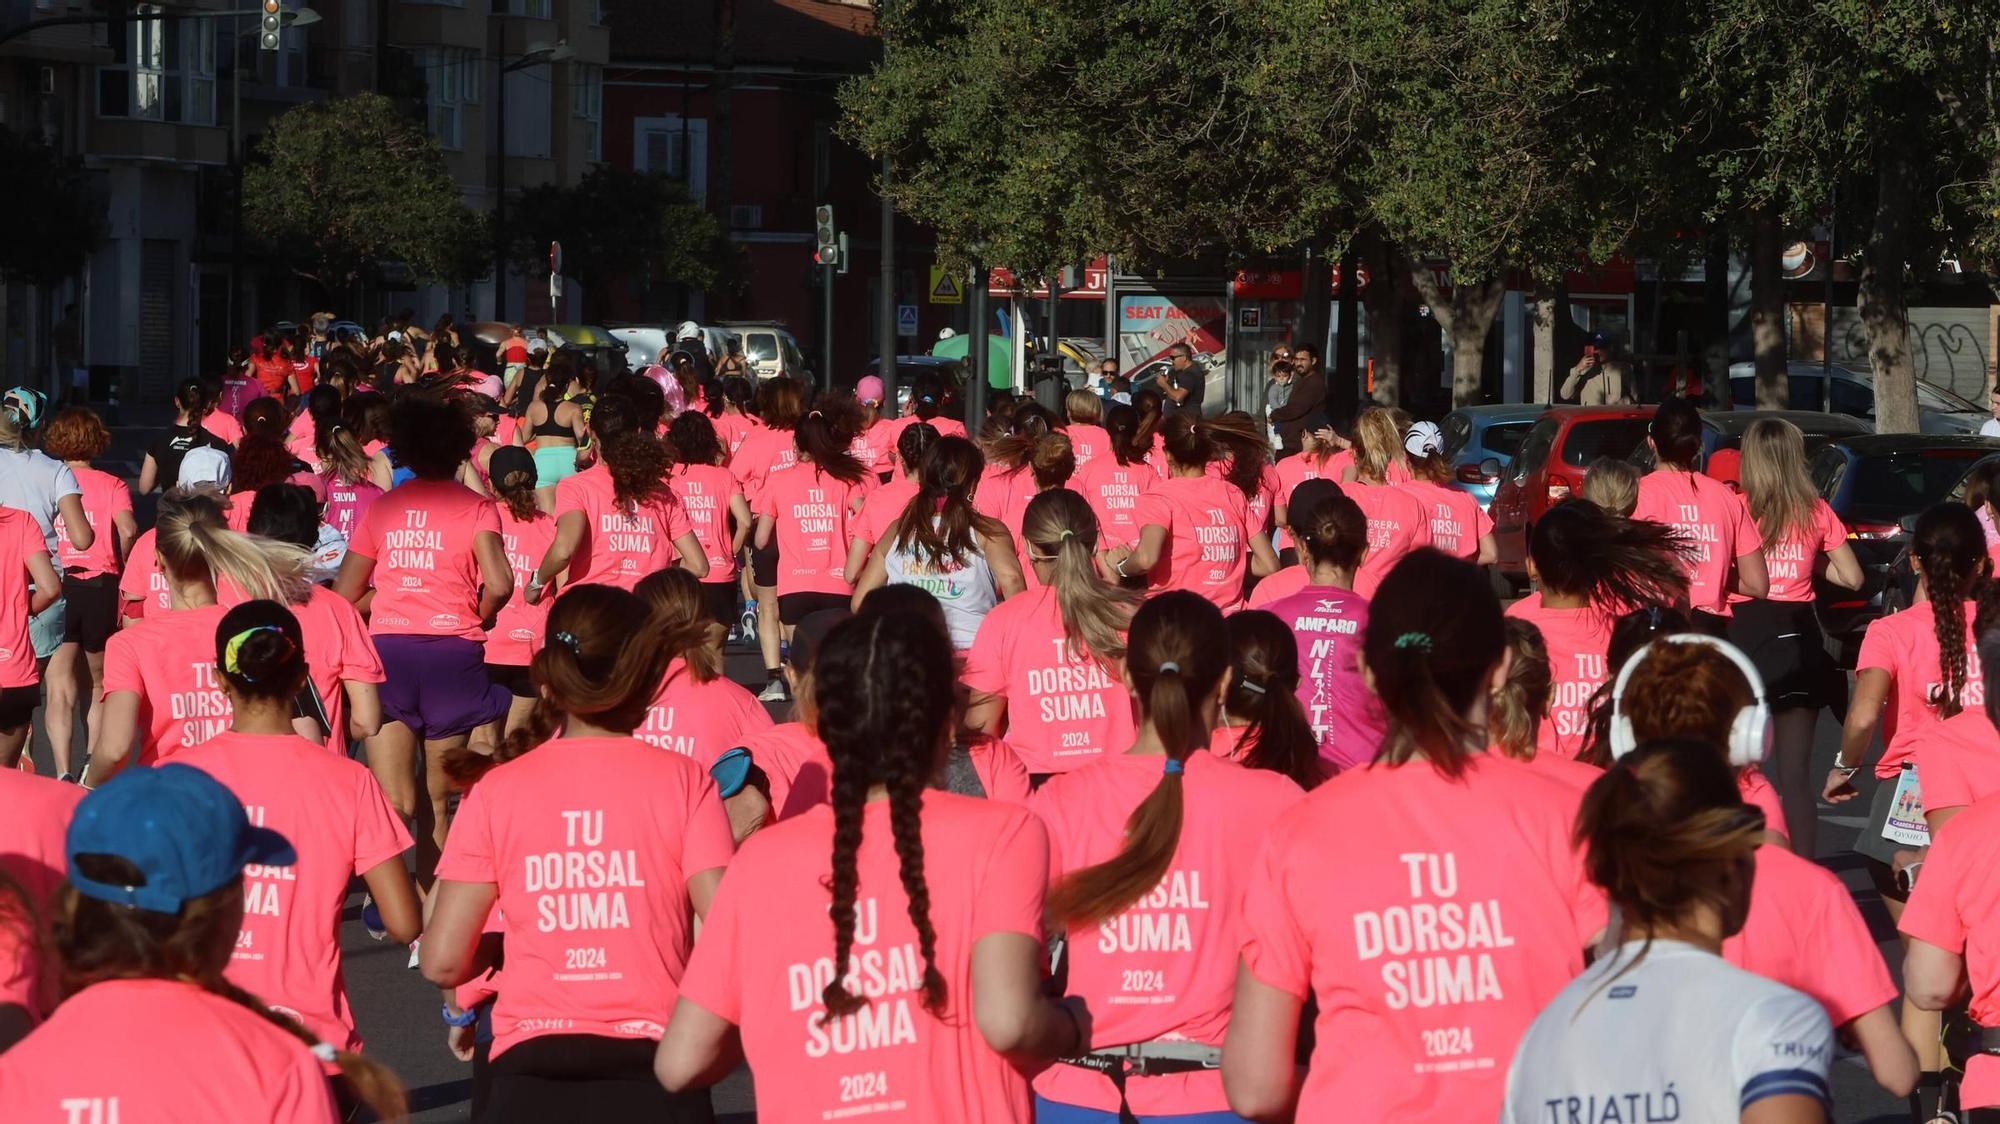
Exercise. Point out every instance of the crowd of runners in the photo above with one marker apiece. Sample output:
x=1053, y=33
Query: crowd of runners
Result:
x=1129, y=773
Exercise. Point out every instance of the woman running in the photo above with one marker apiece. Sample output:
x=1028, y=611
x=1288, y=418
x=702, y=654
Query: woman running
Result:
x=1248, y=466
x=733, y=412
x=527, y=531
x=1086, y=435
x=1398, y=522
x=143, y=932
x=1522, y=704
x=804, y=513
x=1321, y=456
x=350, y=483
x=1588, y=566
x=942, y=543
x=943, y=892
x=1262, y=725
x=1724, y=551
x=1194, y=528
x=288, y=954
x=1803, y=929
x=28, y=586
x=770, y=450
x=1673, y=852
x=874, y=443
x=160, y=691
x=427, y=565
x=618, y=520
x=598, y=885
x=557, y=424
x=1801, y=537
x=715, y=505
x=1045, y=669
x=89, y=579
x=1329, y=618
x=1112, y=482
x=1459, y=526
x=695, y=711
x=1612, y=485
x=928, y=404
x=1149, y=852
x=161, y=465
x=1407, y=1031
x=884, y=506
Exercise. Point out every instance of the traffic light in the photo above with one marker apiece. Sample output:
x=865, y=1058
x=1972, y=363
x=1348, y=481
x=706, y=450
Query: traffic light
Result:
x=271, y=22
x=825, y=237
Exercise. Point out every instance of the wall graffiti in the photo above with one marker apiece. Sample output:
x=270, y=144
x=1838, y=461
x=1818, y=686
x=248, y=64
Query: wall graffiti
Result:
x=1946, y=352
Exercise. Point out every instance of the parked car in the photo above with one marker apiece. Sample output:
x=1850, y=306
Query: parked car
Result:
x=1724, y=429
x=769, y=348
x=644, y=342
x=1481, y=442
x=593, y=341
x=1875, y=483
x=1550, y=465
x=1938, y=410
x=908, y=367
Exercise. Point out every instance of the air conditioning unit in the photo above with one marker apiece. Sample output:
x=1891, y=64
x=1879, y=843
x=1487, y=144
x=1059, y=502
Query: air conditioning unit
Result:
x=746, y=216
x=47, y=84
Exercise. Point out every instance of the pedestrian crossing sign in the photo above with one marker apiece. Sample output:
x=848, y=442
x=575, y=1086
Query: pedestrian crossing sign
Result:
x=945, y=287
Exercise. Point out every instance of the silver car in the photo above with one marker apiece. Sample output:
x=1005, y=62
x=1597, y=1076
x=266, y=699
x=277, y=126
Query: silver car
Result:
x=1938, y=410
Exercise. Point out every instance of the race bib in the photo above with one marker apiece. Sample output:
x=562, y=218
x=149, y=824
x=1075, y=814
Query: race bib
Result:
x=1905, y=824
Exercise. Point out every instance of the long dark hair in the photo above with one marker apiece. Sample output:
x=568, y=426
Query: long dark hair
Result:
x=1434, y=635
x=824, y=437
x=1951, y=547
x=914, y=443
x=637, y=460
x=693, y=439
x=883, y=693
x=1582, y=550
x=1178, y=653
x=940, y=527
x=1265, y=656
x=1122, y=423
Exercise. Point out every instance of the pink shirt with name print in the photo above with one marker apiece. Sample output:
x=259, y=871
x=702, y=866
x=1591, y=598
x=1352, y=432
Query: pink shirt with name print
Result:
x=705, y=491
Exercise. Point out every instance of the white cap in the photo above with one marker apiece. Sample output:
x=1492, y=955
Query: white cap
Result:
x=1424, y=439
x=688, y=328
x=205, y=464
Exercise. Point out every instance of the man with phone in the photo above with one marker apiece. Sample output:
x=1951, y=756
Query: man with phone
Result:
x=1183, y=383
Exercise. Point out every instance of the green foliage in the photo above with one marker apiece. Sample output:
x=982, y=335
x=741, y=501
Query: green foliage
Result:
x=345, y=188
x=66, y=218
x=615, y=223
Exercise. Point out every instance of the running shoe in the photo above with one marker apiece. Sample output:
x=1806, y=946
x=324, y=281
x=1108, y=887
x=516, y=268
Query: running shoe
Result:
x=67, y=778
x=774, y=691
x=747, y=626
x=371, y=918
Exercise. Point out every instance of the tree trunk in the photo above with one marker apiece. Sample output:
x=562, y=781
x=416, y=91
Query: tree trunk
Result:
x=1715, y=315
x=1466, y=314
x=1881, y=301
x=1543, y=318
x=1346, y=359
x=1767, y=310
x=1387, y=300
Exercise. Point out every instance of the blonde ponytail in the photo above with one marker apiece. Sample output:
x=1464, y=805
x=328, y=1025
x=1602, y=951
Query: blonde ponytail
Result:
x=1095, y=613
x=193, y=542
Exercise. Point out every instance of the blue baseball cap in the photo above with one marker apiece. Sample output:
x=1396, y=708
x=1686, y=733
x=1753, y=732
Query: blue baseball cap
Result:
x=183, y=829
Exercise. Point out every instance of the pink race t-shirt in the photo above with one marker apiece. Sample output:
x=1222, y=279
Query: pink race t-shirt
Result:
x=1959, y=761
x=797, y=765
x=1457, y=521
x=764, y=453
x=1905, y=645
x=1164, y=967
x=336, y=817
x=426, y=578
x=1566, y=771
x=1804, y=931
x=810, y=512
x=36, y=811
x=347, y=501
x=1398, y=523
x=1208, y=527
x=1113, y=492
x=104, y=497
x=767, y=948
x=700, y=720
x=1756, y=790
x=183, y=1054
x=704, y=492
x=1953, y=908
x=338, y=651
x=1299, y=468
x=1088, y=442
x=592, y=880
x=20, y=540
x=1792, y=560
x=620, y=545
x=1276, y=587
x=1577, y=640
x=875, y=447
x=518, y=626
x=1433, y=917
x=733, y=428
x=143, y=587
x=169, y=662
x=1064, y=708
x=881, y=509
x=1328, y=622
x=1715, y=528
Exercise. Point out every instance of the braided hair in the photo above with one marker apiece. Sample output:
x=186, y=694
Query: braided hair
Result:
x=1950, y=546
x=883, y=704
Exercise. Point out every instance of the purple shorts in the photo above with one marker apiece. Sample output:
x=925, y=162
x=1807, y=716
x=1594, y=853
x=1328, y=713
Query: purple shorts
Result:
x=438, y=686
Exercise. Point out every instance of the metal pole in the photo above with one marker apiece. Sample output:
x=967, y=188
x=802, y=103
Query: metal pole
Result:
x=236, y=171
x=1111, y=312
x=826, y=332
x=978, y=352
x=1826, y=330
x=500, y=197
x=886, y=315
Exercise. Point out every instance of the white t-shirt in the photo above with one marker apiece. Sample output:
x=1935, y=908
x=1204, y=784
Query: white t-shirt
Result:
x=1679, y=1035
x=1991, y=428
x=34, y=482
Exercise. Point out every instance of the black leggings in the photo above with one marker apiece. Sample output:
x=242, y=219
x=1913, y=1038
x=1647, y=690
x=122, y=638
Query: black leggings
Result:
x=1790, y=771
x=586, y=1078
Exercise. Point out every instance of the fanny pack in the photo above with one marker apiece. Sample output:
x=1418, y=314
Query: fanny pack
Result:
x=1146, y=1059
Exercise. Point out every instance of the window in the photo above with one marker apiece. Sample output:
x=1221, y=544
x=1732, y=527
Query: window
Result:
x=160, y=70
x=451, y=79
x=527, y=9
x=586, y=101
x=676, y=147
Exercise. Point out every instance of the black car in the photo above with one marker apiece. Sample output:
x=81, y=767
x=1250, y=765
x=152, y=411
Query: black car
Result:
x=1874, y=483
x=1724, y=429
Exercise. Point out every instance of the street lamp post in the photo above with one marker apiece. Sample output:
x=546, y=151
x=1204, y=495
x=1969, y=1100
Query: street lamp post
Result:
x=536, y=56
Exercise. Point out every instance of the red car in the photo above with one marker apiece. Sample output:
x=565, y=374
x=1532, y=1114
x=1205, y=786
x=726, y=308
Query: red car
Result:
x=1551, y=465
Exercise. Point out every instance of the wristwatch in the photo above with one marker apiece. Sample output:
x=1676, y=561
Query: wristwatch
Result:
x=464, y=1018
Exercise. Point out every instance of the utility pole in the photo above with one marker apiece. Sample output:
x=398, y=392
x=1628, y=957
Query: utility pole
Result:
x=886, y=313
x=979, y=354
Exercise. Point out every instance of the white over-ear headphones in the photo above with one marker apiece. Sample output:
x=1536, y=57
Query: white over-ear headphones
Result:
x=1749, y=733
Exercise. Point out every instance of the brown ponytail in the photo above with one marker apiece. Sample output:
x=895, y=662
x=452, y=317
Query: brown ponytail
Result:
x=1951, y=547
x=940, y=527
x=1582, y=550
x=1059, y=524
x=1522, y=702
x=681, y=620
x=1178, y=654
x=1434, y=636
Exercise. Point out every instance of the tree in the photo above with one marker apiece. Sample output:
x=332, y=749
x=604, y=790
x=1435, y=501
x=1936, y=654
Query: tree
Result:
x=341, y=190
x=614, y=223
x=65, y=216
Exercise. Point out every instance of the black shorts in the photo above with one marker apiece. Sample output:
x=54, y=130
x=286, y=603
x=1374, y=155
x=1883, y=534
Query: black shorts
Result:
x=514, y=677
x=723, y=600
x=17, y=705
x=92, y=608
x=795, y=607
x=764, y=564
x=584, y=1077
